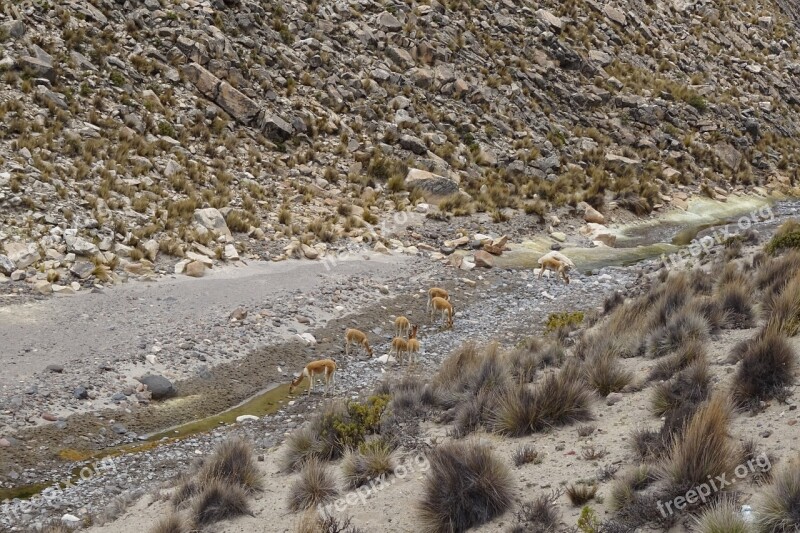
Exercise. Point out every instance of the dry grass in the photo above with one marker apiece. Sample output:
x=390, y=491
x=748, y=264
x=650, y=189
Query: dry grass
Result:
x=526, y=454
x=172, y=523
x=704, y=449
x=374, y=459
x=605, y=374
x=767, y=368
x=219, y=501
x=539, y=516
x=778, y=506
x=581, y=493
x=315, y=486
x=466, y=486
x=232, y=462
x=723, y=517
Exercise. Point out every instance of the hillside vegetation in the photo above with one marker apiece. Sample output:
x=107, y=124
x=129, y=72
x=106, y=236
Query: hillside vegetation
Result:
x=299, y=121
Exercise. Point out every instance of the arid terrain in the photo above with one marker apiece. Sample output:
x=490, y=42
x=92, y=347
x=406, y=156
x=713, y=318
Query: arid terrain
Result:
x=199, y=197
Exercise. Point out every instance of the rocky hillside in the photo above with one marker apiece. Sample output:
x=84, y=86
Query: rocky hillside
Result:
x=200, y=130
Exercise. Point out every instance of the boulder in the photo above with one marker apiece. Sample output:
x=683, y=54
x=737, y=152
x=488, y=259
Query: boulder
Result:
x=159, y=386
x=80, y=246
x=211, y=219
x=239, y=106
x=590, y=214
x=195, y=269
x=82, y=269
x=22, y=255
x=484, y=259
x=550, y=19
x=430, y=183
x=7, y=266
x=728, y=155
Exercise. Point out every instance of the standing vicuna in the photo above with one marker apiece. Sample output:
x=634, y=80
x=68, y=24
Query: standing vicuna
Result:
x=399, y=345
x=401, y=326
x=354, y=336
x=556, y=265
x=446, y=308
x=436, y=292
x=325, y=367
x=412, y=346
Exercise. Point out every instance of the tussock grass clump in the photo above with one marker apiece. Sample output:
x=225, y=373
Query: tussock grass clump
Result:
x=581, y=493
x=778, y=507
x=539, y=516
x=736, y=301
x=683, y=326
x=605, y=374
x=559, y=399
x=374, y=459
x=782, y=309
x=316, y=485
x=172, y=523
x=775, y=273
x=623, y=491
x=723, y=517
x=187, y=489
x=301, y=445
x=312, y=522
x=767, y=368
x=689, y=388
x=688, y=353
x=704, y=449
x=466, y=486
x=219, y=501
x=232, y=462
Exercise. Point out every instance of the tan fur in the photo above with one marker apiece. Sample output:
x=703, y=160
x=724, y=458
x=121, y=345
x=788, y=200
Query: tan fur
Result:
x=557, y=266
x=354, y=336
x=445, y=307
x=401, y=326
x=325, y=367
x=412, y=346
x=399, y=347
x=436, y=292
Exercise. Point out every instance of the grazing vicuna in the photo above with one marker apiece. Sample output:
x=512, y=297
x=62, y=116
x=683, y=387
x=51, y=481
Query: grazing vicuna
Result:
x=436, y=292
x=354, y=336
x=556, y=265
x=401, y=326
x=412, y=346
x=439, y=304
x=325, y=367
x=399, y=346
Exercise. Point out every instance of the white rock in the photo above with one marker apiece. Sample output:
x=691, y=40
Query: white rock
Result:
x=245, y=418
x=386, y=359
x=151, y=358
x=70, y=520
x=308, y=338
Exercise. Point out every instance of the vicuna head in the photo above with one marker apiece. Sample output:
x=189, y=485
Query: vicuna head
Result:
x=413, y=333
x=295, y=382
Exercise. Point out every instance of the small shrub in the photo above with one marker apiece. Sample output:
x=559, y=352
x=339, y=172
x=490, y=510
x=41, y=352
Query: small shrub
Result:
x=585, y=431
x=767, y=368
x=588, y=521
x=564, y=320
x=782, y=309
x=736, y=301
x=315, y=486
x=466, y=486
x=539, y=516
x=689, y=387
x=220, y=501
x=683, y=326
x=787, y=237
x=526, y=454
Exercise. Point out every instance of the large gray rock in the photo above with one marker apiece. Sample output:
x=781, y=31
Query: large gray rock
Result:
x=159, y=386
x=211, y=219
x=430, y=183
x=237, y=104
x=730, y=156
x=82, y=269
x=40, y=68
x=550, y=19
x=413, y=144
x=7, y=266
x=80, y=246
x=274, y=127
x=21, y=254
x=389, y=22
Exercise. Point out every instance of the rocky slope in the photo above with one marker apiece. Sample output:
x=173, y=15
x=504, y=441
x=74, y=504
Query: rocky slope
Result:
x=139, y=133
